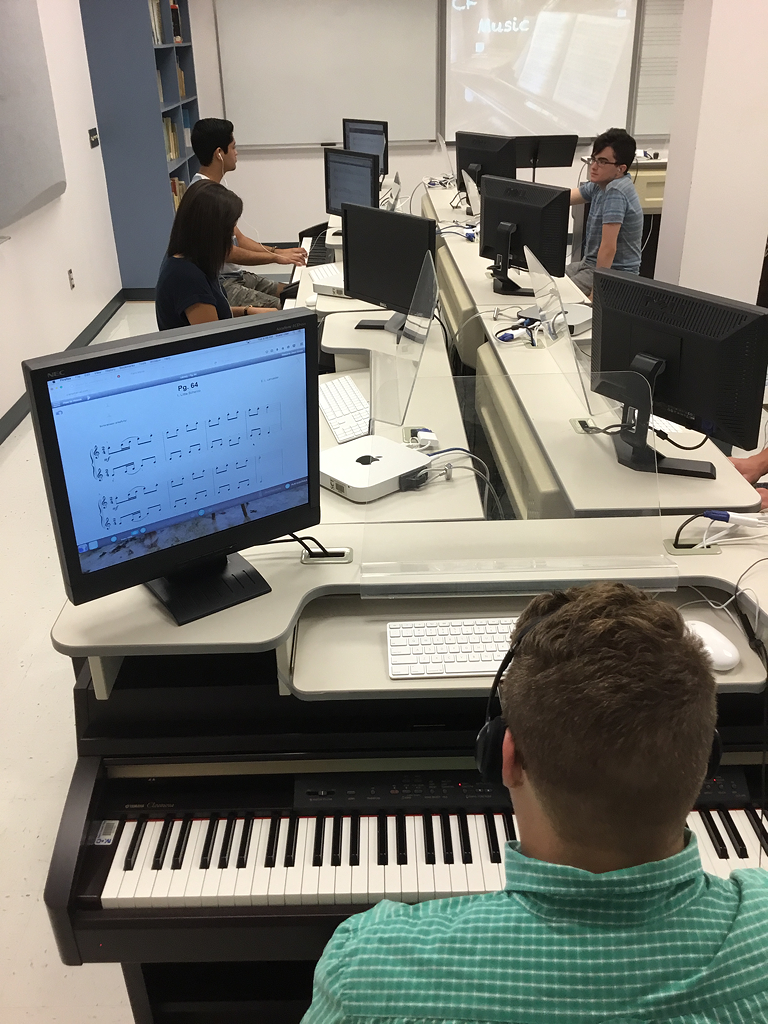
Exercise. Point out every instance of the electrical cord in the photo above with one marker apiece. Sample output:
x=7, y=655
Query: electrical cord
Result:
x=681, y=527
x=322, y=553
x=683, y=447
x=612, y=428
x=410, y=197
x=484, y=476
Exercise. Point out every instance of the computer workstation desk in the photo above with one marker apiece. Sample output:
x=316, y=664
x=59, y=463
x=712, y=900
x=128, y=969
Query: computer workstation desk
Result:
x=526, y=402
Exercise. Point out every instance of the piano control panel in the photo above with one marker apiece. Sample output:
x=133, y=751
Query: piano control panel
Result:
x=368, y=792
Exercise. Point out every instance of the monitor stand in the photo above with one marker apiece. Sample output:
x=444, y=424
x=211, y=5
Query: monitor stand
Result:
x=209, y=586
x=631, y=442
x=502, y=282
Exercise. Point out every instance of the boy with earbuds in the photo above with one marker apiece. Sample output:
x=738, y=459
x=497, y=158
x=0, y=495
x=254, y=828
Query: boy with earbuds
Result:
x=615, y=223
x=214, y=145
x=609, y=712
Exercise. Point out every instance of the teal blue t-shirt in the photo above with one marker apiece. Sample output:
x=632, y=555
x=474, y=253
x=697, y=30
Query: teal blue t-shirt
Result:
x=617, y=203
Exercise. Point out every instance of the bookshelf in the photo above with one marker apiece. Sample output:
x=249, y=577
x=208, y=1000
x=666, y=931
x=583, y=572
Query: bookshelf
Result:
x=143, y=80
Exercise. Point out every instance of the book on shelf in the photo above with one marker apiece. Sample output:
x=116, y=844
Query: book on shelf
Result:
x=156, y=21
x=160, y=85
x=187, y=128
x=178, y=188
x=182, y=86
x=176, y=23
x=171, y=139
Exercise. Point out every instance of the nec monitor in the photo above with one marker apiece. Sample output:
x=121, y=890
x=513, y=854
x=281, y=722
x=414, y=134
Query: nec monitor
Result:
x=516, y=213
x=704, y=359
x=350, y=178
x=367, y=137
x=165, y=454
x=479, y=155
x=545, y=151
x=383, y=255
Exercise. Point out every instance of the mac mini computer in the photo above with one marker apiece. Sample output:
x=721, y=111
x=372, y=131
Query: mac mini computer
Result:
x=369, y=467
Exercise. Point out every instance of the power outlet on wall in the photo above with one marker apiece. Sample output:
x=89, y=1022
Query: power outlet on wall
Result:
x=71, y=277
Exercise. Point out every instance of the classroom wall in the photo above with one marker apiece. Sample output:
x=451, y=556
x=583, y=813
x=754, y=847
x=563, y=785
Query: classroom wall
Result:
x=39, y=313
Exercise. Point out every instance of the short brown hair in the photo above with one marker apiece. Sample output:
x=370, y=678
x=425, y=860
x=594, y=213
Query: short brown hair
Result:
x=611, y=703
x=204, y=225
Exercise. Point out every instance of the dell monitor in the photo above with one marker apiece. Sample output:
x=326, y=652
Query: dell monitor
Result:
x=165, y=455
x=383, y=257
x=350, y=178
x=704, y=360
x=514, y=214
x=545, y=151
x=367, y=137
x=479, y=155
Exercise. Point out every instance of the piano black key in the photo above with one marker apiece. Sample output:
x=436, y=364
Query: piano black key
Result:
x=181, y=843
x=466, y=846
x=133, y=849
x=429, y=838
x=493, y=839
x=336, y=842
x=717, y=840
x=733, y=833
x=317, y=851
x=226, y=842
x=509, y=824
x=757, y=824
x=245, y=841
x=162, y=845
x=270, y=857
x=445, y=830
x=383, y=848
x=210, y=835
x=290, y=842
x=400, y=840
x=354, y=840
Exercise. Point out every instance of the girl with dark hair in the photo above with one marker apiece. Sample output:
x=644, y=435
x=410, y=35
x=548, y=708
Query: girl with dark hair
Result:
x=188, y=289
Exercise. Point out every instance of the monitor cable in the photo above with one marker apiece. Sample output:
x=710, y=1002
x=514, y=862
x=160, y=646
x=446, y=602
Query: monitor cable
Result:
x=321, y=552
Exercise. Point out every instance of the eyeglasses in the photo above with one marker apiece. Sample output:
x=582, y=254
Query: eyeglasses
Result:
x=601, y=161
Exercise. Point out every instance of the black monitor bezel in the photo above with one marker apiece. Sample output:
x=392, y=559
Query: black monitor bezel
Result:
x=383, y=163
x=82, y=587
x=493, y=145
x=558, y=197
x=749, y=365
x=331, y=152
x=409, y=224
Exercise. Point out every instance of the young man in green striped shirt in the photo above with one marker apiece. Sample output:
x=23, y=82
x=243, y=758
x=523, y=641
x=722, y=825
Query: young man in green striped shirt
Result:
x=607, y=915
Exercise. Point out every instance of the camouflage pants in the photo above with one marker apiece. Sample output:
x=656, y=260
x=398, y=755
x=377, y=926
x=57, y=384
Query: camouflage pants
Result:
x=249, y=289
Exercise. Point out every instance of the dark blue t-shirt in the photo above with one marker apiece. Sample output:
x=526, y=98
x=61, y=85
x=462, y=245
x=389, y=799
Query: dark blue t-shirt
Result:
x=180, y=285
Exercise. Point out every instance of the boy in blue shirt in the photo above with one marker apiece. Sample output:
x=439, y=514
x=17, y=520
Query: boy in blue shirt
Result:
x=615, y=223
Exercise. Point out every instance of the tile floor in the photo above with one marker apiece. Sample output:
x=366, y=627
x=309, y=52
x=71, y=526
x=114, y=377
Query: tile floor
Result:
x=37, y=749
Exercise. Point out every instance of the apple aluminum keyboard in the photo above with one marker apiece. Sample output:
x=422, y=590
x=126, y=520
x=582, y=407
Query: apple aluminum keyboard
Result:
x=345, y=408
x=447, y=647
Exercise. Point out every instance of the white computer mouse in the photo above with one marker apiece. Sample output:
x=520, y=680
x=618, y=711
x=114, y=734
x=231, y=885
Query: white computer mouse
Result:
x=724, y=653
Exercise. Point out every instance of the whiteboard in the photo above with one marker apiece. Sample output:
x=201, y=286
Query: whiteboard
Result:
x=538, y=68
x=291, y=71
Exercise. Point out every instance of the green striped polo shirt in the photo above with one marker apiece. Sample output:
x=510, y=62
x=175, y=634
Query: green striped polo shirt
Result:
x=661, y=942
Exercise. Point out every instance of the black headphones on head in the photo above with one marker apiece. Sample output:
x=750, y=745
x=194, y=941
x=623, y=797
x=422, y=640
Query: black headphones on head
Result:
x=488, y=745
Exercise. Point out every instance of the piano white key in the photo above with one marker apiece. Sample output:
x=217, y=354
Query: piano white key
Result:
x=481, y=853
x=228, y=879
x=244, y=880
x=294, y=876
x=711, y=862
x=343, y=884
x=193, y=890
x=442, y=870
x=425, y=873
x=475, y=873
x=180, y=877
x=130, y=882
x=210, y=893
x=327, y=877
x=359, y=880
x=276, y=891
x=164, y=876
x=376, y=890
x=457, y=870
x=757, y=857
x=116, y=870
x=311, y=875
x=392, y=884
x=143, y=895
x=260, y=878
x=409, y=873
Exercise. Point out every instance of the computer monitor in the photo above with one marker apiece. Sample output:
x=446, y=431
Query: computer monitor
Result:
x=704, y=359
x=545, y=151
x=164, y=455
x=367, y=137
x=514, y=214
x=350, y=178
x=383, y=257
x=479, y=155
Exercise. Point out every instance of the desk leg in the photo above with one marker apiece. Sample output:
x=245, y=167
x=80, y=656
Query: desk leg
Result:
x=104, y=673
